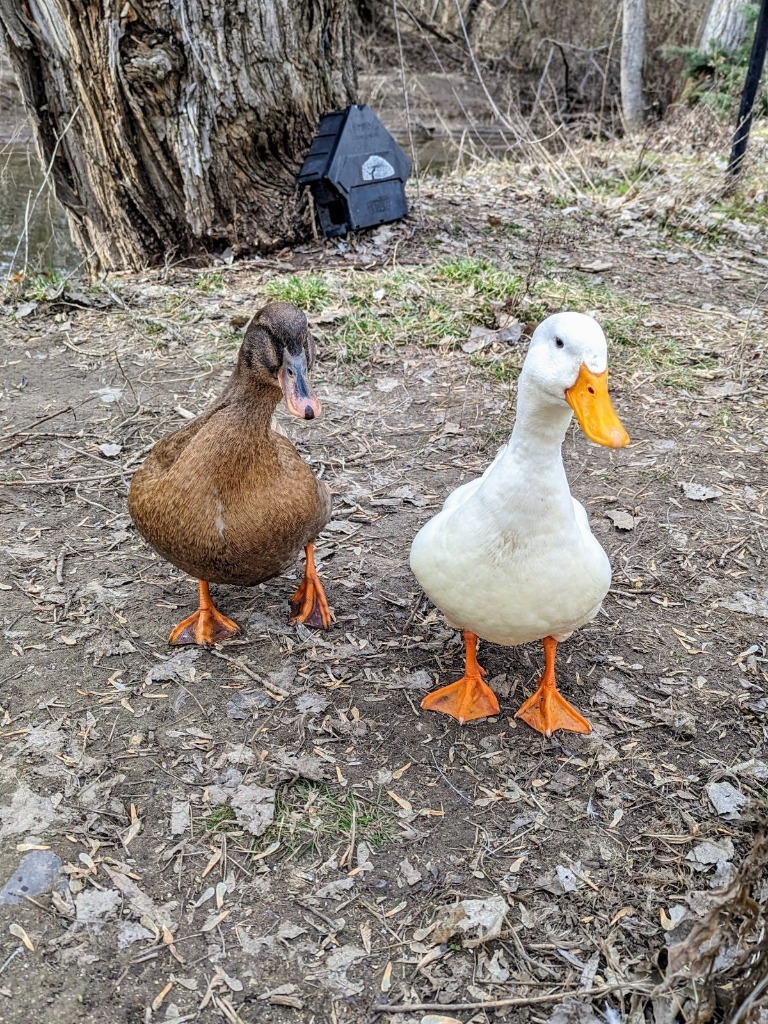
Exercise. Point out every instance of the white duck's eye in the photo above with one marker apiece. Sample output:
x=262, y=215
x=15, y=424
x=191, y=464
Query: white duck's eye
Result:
x=559, y=342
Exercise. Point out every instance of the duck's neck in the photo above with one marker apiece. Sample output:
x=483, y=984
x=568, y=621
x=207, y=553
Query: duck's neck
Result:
x=254, y=399
x=540, y=427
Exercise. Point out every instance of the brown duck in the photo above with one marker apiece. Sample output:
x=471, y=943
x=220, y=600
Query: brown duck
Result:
x=226, y=498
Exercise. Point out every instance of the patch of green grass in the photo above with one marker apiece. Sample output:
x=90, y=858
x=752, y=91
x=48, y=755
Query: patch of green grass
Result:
x=306, y=291
x=357, y=334
x=630, y=180
x=677, y=367
x=313, y=816
x=153, y=328
x=621, y=319
x=508, y=229
x=221, y=819
x=44, y=286
x=209, y=281
x=560, y=201
x=503, y=368
x=740, y=208
x=398, y=307
x=630, y=337
x=482, y=276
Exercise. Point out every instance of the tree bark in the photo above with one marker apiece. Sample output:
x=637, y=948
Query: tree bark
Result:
x=176, y=128
x=632, y=58
x=724, y=26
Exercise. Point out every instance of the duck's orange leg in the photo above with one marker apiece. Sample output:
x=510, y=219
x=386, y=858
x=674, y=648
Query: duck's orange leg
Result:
x=547, y=710
x=205, y=626
x=308, y=604
x=469, y=697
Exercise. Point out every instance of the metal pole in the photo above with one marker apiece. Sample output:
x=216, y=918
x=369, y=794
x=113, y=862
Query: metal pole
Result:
x=751, y=84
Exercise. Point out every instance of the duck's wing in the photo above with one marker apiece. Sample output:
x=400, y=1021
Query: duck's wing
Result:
x=168, y=450
x=582, y=519
x=310, y=498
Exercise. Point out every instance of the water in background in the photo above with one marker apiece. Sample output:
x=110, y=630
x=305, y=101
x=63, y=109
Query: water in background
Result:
x=34, y=234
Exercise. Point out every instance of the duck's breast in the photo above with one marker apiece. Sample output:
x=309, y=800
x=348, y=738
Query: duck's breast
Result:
x=228, y=511
x=512, y=573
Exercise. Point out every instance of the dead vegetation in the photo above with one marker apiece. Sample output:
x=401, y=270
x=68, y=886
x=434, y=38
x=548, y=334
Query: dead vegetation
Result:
x=272, y=830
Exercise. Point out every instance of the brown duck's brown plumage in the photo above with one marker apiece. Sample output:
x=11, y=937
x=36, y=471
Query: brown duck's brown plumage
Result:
x=226, y=498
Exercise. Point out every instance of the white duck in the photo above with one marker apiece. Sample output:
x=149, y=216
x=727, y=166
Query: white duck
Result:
x=510, y=557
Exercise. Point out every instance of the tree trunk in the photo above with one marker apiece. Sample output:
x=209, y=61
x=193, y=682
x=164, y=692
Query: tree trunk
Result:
x=176, y=128
x=724, y=26
x=632, y=57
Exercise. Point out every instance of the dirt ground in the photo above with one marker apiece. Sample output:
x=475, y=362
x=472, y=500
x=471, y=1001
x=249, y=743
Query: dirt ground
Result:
x=273, y=830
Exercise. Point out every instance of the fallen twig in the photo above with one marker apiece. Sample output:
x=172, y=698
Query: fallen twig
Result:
x=68, y=480
x=36, y=423
x=491, y=1004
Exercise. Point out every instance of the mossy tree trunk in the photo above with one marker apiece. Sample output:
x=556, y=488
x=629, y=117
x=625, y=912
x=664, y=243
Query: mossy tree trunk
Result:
x=176, y=128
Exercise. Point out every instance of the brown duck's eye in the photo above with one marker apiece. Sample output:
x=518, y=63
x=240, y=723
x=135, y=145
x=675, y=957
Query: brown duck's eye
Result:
x=559, y=342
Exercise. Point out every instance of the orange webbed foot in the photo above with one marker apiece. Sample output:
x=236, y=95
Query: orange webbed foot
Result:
x=468, y=698
x=309, y=604
x=205, y=626
x=547, y=710
x=465, y=700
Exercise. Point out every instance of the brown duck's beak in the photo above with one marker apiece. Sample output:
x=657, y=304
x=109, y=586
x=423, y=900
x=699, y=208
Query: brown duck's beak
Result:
x=589, y=400
x=299, y=396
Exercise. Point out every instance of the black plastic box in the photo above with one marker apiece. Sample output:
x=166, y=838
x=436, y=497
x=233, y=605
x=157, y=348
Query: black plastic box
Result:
x=357, y=172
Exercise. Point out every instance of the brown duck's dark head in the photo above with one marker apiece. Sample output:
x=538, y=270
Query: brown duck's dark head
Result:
x=278, y=350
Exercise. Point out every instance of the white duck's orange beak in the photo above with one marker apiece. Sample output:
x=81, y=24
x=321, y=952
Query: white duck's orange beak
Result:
x=590, y=402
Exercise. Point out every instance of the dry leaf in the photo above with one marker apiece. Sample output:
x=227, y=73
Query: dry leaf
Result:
x=726, y=799
x=700, y=492
x=18, y=931
x=595, y=266
x=621, y=520
x=157, y=1002
x=214, y=921
x=479, y=920
x=254, y=807
x=399, y=800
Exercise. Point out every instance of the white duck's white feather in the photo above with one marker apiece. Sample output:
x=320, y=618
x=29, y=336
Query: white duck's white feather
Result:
x=510, y=556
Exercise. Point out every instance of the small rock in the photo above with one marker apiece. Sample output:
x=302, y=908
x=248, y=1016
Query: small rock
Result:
x=562, y=782
x=748, y=602
x=110, y=450
x=568, y=880
x=131, y=932
x=310, y=702
x=680, y=722
x=571, y=1011
x=37, y=872
x=179, y=816
x=615, y=693
x=176, y=667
